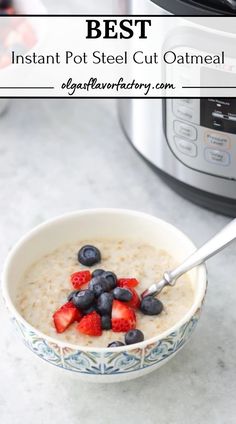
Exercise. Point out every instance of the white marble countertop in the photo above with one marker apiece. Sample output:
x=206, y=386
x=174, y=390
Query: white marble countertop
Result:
x=58, y=156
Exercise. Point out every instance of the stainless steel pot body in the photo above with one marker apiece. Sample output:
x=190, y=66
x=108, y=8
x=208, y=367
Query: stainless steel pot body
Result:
x=154, y=128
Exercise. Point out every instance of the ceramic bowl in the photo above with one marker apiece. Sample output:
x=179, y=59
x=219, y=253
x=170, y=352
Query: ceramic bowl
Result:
x=103, y=364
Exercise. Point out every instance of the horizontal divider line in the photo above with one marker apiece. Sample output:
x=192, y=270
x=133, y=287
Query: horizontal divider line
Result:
x=208, y=87
x=105, y=97
x=27, y=88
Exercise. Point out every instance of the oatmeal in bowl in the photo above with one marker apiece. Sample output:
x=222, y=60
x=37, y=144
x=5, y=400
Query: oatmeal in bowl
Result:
x=130, y=266
x=73, y=289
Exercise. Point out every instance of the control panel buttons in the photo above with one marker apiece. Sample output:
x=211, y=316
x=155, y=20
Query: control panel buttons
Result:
x=186, y=111
x=186, y=147
x=216, y=140
x=197, y=144
x=185, y=130
x=186, y=102
x=217, y=157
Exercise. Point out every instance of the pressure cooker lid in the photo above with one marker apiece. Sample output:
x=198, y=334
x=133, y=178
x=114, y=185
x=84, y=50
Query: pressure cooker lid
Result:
x=198, y=7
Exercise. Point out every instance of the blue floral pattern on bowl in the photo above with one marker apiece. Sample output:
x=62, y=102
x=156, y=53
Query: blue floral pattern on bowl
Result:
x=107, y=362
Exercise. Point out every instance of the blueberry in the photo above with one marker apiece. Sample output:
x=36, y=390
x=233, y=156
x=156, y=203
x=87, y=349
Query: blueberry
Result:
x=97, y=272
x=151, y=306
x=123, y=294
x=106, y=322
x=134, y=336
x=111, y=279
x=104, y=303
x=116, y=344
x=83, y=299
x=72, y=294
x=98, y=285
x=92, y=308
x=89, y=255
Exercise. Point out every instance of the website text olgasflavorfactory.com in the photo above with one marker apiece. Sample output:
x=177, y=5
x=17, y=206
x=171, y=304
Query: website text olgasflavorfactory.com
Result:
x=120, y=86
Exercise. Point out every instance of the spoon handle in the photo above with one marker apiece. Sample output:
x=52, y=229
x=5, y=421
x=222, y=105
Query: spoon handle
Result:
x=209, y=249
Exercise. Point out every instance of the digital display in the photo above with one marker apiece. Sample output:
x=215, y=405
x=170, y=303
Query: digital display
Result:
x=219, y=114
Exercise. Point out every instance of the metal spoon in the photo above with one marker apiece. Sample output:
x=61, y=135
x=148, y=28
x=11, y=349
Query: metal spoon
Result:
x=209, y=249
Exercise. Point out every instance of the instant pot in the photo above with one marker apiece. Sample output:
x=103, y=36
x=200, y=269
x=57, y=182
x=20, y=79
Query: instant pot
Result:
x=190, y=142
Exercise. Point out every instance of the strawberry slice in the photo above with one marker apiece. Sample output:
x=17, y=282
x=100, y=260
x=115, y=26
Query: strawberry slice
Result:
x=128, y=282
x=91, y=325
x=123, y=317
x=135, y=302
x=65, y=316
x=79, y=279
x=78, y=314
